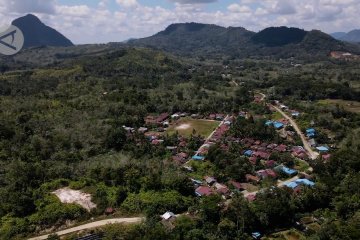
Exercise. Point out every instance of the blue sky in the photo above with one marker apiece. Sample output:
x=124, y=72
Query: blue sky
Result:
x=101, y=21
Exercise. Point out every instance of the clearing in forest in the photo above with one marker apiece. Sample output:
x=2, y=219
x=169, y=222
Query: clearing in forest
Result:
x=351, y=106
x=67, y=195
x=188, y=126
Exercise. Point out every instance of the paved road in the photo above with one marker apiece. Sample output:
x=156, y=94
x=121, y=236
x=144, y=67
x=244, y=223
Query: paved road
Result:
x=312, y=154
x=93, y=225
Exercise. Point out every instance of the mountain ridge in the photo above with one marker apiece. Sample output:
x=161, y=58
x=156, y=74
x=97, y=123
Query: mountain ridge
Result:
x=191, y=39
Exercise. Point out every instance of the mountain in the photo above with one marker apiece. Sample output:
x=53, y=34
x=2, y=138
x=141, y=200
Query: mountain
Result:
x=195, y=39
x=338, y=35
x=37, y=33
x=279, y=36
x=352, y=36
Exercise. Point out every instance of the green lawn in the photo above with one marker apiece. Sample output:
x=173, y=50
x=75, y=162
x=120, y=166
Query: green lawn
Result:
x=202, y=127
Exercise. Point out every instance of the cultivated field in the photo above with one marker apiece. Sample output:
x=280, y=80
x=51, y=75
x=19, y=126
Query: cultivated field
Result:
x=186, y=127
x=351, y=106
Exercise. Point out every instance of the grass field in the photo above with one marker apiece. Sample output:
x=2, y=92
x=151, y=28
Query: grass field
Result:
x=351, y=106
x=286, y=235
x=186, y=126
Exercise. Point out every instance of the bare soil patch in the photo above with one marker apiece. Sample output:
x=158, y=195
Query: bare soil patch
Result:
x=67, y=195
x=183, y=126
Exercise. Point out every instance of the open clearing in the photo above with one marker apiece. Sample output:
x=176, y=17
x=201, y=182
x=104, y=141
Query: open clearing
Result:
x=67, y=195
x=351, y=106
x=186, y=126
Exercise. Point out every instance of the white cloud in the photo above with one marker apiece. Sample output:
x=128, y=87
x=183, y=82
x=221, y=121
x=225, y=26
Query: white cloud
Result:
x=85, y=24
x=128, y=3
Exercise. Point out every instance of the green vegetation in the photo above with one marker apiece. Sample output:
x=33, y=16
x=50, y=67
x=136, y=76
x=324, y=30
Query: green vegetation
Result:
x=187, y=127
x=62, y=125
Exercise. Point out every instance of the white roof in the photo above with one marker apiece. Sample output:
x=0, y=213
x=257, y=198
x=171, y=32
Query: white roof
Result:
x=168, y=215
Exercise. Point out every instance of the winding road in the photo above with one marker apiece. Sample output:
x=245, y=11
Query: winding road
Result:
x=312, y=154
x=93, y=225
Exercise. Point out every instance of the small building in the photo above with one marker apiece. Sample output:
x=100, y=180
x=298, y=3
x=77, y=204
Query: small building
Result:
x=278, y=125
x=238, y=186
x=248, y=153
x=286, y=170
x=295, y=114
x=252, y=178
x=326, y=157
x=198, y=158
x=310, y=132
x=322, y=149
x=168, y=215
x=210, y=180
x=203, y=191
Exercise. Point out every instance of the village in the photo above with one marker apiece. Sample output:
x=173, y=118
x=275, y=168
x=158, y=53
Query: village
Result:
x=266, y=172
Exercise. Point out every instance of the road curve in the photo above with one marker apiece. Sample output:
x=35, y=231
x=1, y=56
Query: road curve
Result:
x=312, y=154
x=93, y=225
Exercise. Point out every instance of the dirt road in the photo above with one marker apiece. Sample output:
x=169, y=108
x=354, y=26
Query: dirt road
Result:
x=93, y=225
x=312, y=154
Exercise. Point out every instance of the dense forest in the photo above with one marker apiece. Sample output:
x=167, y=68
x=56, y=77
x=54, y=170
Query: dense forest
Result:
x=62, y=125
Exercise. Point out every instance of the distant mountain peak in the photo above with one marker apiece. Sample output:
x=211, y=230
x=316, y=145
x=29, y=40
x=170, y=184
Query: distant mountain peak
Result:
x=36, y=33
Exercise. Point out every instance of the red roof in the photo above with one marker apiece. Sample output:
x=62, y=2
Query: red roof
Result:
x=204, y=191
x=237, y=185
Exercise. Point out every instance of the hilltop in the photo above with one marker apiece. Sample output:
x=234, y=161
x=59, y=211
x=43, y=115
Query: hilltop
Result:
x=36, y=33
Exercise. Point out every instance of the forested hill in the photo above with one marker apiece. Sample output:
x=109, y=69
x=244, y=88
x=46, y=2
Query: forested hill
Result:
x=194, y=39
x=185, y=38
x=37, y=33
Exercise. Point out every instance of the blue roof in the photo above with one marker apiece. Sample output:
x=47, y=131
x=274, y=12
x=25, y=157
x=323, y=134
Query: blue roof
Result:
x=322, y=149
x=310, y=135
x=248, y=153
x=278, y=125
x=256, y=234
x=291, y=185
x=305, y=182
x=310, y=130
x=197, y=157
x=269, y=122
x=289, y=170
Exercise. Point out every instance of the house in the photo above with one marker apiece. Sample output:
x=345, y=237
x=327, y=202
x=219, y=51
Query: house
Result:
x=198, y=158
x=238, y=186
x=142, y=130
x=278, y=125
x=248, y=153
x=256, y=235
x=322, y=149
x=210, y=180
x=310, y=132
x=266, y=173
x=168, y=220
x=168, y=215
x=203, y=191
x=262, y=155
x=305, y=182
x=295, y=114
x=270, y=163
x=175, y=116
x=253, y=160
x=281, y=148
x=252, y=178
x=109, y=211
x=312, y=142
x=326, y=157
x=251, y=197
x=221, y=189
x=286, y=170
x=188, y=168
